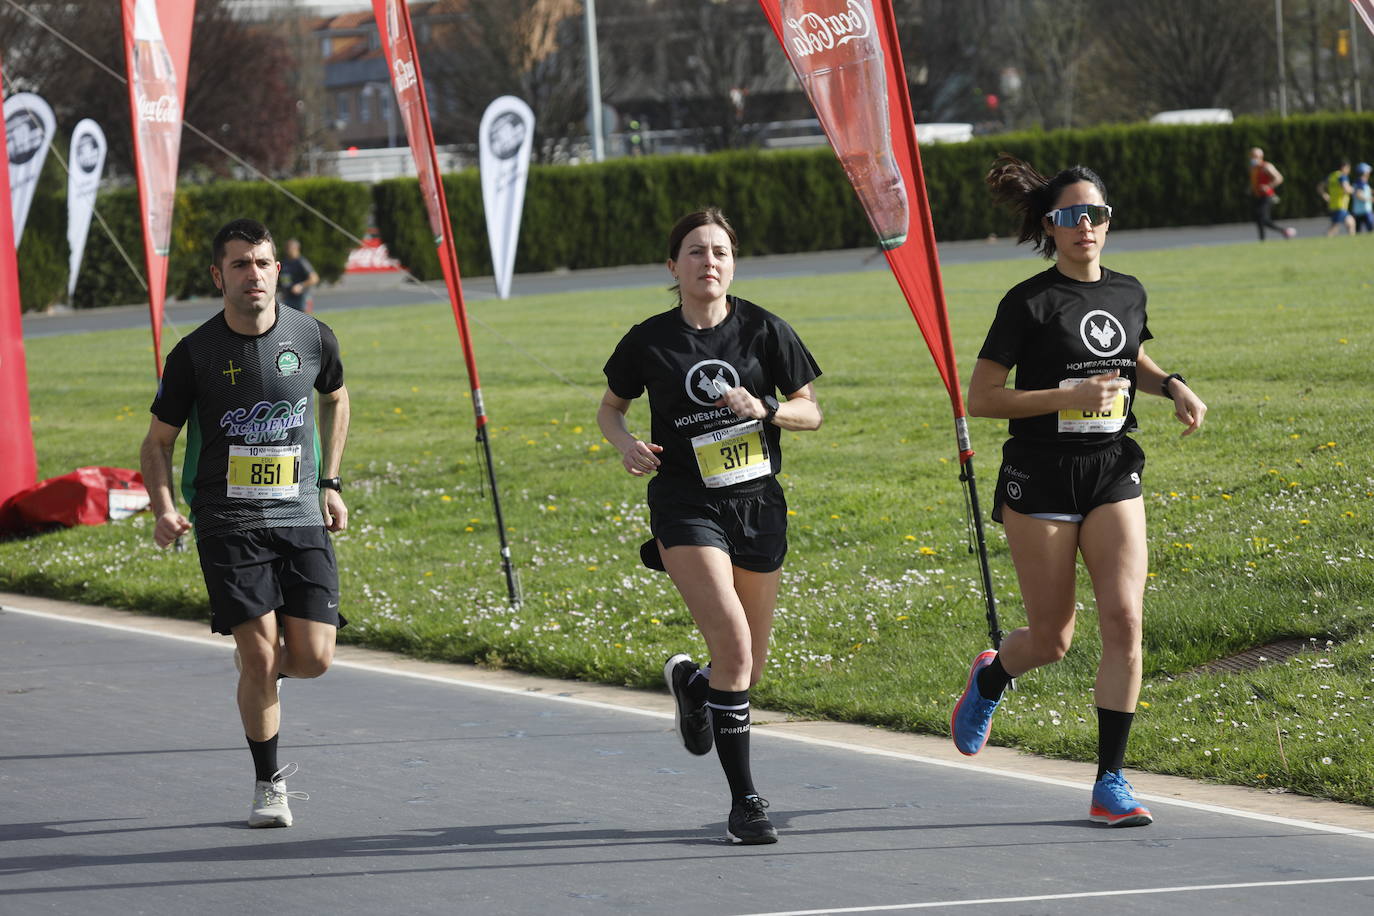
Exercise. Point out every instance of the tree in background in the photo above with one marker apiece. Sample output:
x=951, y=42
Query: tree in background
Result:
x=533, y=49
x=1170, y=54
x=951, y=70
x=235, y=91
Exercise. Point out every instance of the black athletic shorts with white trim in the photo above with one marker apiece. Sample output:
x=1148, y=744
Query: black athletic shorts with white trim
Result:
x=751, y=527
x=252, y=573
x=1048, y=483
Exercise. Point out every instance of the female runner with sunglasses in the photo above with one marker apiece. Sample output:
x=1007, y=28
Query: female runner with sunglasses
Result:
x=1070, y=477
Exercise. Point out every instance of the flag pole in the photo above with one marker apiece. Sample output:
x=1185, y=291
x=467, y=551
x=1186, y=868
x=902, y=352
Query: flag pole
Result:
x=393, y=17
x=820, y=37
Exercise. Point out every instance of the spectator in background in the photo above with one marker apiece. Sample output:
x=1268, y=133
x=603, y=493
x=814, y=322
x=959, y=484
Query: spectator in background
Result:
x=1362, y=199
x=1335, y=189
x=297, y=279
x=1264, y=182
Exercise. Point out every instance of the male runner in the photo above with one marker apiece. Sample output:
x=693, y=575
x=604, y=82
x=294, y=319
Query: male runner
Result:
x=255, y=467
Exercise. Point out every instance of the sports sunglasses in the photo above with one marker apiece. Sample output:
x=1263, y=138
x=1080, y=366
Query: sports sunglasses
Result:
x=1069, y=217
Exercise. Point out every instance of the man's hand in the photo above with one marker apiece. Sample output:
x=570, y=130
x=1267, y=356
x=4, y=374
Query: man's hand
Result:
x=169, y=527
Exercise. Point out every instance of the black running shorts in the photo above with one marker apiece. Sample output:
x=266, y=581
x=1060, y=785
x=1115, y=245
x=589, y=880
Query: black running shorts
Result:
x=751, y=528
x=1047, y=483
x=252, y=573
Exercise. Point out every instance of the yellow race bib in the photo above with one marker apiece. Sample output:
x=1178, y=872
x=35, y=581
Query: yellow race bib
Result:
x=732, y=455
x=264, y=471
x=1093, y=421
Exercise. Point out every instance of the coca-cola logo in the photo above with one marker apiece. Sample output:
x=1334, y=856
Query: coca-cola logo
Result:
x=162, y=110
x=403, y=76
x=815, y=32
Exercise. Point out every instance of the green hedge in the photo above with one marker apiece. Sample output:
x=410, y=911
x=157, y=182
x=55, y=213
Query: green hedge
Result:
x=619, y=212
x=107, y=279
x=43, y=251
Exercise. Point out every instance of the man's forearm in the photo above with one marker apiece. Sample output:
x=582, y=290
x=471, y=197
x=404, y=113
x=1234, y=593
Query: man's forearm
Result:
x=155, y=461
x=334, y=416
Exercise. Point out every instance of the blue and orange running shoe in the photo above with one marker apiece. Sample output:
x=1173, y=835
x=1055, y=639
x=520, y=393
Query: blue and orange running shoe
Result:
x=1114, y=803
x=971, y=722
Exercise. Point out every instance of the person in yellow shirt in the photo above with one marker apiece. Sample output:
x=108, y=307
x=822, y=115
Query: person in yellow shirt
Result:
x=1336, y=189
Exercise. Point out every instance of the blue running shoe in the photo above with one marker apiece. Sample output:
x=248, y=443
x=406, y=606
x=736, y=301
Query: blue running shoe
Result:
x=971, y=721
x=1114, y=803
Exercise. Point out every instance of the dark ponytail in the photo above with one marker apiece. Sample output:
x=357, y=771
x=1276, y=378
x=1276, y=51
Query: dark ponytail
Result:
x=1018, y=186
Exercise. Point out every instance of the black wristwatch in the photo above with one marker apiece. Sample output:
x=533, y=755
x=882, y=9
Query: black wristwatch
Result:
x=330, y=483
x=770, y=405
x=1164, y=388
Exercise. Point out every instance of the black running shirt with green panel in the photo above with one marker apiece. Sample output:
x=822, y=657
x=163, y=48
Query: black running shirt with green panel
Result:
x=708, y=450
x=1057, y=331
x=252, y=449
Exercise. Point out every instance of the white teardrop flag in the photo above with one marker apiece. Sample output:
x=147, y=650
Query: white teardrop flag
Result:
x=29, y=127
x=504, y=142
x=83, y=180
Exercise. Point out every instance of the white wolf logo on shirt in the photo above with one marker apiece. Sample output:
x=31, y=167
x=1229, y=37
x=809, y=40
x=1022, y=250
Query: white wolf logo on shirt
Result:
x=714, y=388
x=1102, y=333
x=708, y=380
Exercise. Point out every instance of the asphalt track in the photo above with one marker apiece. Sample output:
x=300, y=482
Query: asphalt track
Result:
x=447, y=789
x=357, y=291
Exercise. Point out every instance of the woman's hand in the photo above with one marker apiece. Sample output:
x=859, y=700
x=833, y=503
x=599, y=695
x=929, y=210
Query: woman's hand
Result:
x=1098, y=393
x=1188, y=407
x=641, y=458
x=743, y=404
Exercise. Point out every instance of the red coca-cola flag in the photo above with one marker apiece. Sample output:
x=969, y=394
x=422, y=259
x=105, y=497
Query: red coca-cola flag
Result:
x=157, y=47
x=18, y=463
x=403, y=62
x=847, y=57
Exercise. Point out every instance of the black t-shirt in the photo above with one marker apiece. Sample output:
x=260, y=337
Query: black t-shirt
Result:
x=708, y=450
x=293, y=271
x=1057, y=331
x=252, y=450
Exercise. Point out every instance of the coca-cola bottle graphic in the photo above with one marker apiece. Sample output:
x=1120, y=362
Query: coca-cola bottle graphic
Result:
x=835, y=48
x=158, y=124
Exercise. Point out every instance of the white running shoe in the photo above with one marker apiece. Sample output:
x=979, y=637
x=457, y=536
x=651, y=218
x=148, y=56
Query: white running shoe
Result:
x=271, y=806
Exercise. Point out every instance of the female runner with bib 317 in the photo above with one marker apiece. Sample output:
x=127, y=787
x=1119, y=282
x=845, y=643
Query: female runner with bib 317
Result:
x=1070, y=477
x=712, y=367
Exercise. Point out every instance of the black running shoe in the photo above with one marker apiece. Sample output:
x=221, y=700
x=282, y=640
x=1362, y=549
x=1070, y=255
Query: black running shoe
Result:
x=749, y=824
x=693, y=719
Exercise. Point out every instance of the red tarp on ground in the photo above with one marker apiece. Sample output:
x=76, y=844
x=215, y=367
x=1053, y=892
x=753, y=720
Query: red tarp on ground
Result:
x=86, y=496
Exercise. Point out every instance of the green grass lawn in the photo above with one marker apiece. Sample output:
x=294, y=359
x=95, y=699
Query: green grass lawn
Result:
x=1259, y=526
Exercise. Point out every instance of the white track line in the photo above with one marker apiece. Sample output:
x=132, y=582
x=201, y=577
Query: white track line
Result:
x=1040, y=898
x=219, y=642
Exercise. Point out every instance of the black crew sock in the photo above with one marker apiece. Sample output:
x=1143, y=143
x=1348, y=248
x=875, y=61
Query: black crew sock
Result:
x=730, y=721
x=1113, y=730
x=993, y=679
x=264, y=757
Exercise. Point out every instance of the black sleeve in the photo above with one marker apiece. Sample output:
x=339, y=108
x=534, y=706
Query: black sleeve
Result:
x=1144, y=318
x=623, y=373
x=176, y=391
x=1009, y=332
x=792, y=365
x=331, y=377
